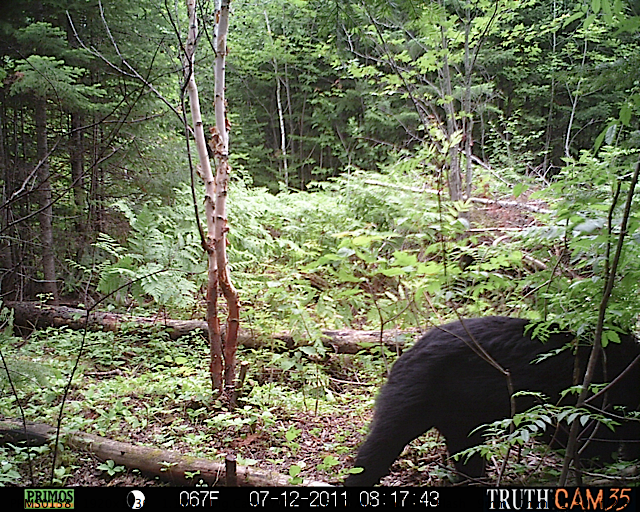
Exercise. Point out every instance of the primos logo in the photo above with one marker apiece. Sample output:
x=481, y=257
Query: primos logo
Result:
x=49, y=498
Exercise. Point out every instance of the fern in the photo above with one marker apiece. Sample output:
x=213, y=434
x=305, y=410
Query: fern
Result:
x=162, y=260
x=23, y=372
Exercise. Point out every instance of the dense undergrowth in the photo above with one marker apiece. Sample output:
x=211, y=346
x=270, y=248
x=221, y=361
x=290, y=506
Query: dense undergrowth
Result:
x=363, y=251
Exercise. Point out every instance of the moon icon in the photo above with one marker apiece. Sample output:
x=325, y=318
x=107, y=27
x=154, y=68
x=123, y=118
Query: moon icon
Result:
x=135, y=500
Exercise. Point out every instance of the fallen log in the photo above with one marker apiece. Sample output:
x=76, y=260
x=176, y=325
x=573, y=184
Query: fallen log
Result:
x=169, y=466
x=481, y=200
x=34, y=315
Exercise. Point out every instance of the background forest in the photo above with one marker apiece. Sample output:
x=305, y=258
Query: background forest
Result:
x=394, y=164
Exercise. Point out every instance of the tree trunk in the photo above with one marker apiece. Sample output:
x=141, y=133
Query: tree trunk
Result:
x=466, y=109
x=7, y=272
x=548, y=160
x=574, y=104
x=96, y=200
x=222, y=355
x=76, y=160
x=221, y=150
x=46, y=214
x=454, y=178
x=215, y=340
x=283, y=139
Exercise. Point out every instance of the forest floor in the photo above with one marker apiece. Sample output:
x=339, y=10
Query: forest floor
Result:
x=164, y=404
x=423, y=462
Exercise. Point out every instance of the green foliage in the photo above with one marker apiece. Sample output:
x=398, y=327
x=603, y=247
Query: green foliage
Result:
x=44, y=72
x=9, y=474
x=290, y=435
x=519, y=431
x=48, y=77
x=25, y=373
x=545, y=89
x=62, y=473
x=581, y=225
x=538, y=82
x=110, y=468
x=288, y=43
x=294, y=471
x=404, y=259
x=162, y=252
x=327, y=463
x=288, y=227
x=41, y=38
x=13, y=459
x=156, y=382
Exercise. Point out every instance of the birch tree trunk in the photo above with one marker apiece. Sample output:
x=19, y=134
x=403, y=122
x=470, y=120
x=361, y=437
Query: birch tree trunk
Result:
x=283, y=139
x=574, y=103
x=215, y=342
x=221, y=154
x=222, y=355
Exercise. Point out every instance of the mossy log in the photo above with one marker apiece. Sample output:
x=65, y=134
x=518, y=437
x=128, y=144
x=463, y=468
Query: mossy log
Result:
x=34, y=315
x=169, y=466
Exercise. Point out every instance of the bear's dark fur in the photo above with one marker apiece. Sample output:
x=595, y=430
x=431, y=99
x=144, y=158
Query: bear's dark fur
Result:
x=442, y=383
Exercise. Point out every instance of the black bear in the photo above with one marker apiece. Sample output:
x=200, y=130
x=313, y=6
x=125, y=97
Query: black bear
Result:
x=441, y=382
